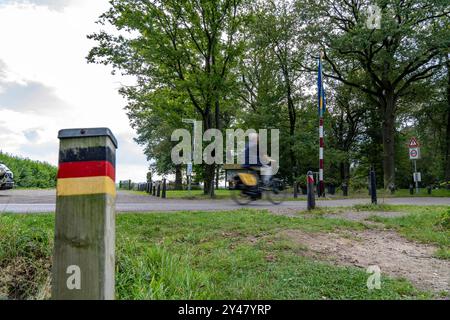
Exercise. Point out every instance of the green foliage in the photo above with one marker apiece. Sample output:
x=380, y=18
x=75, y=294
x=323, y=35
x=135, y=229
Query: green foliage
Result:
x=29, y=173
x=252, y=64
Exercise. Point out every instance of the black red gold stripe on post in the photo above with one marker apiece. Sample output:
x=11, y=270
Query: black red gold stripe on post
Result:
x=86, y=171
x=88, y=154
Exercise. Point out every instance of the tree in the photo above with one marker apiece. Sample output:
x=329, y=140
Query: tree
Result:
x=154, y=116
x=270, y=73
x=404, y=51
x=180, y=45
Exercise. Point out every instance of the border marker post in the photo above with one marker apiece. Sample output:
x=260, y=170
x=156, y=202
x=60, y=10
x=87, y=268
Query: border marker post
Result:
x=310, y=185
x=83, y=256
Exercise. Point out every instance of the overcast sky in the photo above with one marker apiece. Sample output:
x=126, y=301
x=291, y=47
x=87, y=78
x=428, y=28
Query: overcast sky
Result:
x=46, y=84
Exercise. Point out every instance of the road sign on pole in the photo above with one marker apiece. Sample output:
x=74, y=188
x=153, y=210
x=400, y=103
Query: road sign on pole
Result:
x=414, y=155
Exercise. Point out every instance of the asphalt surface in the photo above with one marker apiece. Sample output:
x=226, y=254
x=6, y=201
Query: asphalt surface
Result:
x=38, y=201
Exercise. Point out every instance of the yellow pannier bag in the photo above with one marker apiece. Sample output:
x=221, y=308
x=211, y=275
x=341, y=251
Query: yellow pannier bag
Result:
x=248, y=179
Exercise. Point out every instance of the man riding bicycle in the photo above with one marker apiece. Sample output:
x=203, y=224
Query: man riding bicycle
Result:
x=253, y=161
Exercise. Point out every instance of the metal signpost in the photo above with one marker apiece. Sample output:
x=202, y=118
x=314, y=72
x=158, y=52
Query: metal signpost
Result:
x=414, y=155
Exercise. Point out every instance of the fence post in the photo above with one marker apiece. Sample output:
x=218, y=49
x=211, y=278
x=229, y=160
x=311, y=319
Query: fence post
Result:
x=158, y=190
x=373, y=186
x=164, y=189
x=311, y=197
x=83, y=256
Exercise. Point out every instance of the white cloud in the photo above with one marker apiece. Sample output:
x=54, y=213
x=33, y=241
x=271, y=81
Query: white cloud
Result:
x=46, y=83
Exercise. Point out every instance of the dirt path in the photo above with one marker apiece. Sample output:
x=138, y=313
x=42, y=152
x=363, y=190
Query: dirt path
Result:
x=395, y=255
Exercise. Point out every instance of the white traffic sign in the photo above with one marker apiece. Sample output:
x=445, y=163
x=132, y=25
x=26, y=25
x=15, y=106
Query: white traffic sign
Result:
x=189, y=169
x=414, y=153
x=417, y=177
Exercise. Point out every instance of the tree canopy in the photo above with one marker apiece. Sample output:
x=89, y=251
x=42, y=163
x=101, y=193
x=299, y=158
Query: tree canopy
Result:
x=253, y=64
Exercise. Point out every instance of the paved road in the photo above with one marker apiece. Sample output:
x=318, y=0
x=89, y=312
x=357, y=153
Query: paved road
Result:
x=35, y=201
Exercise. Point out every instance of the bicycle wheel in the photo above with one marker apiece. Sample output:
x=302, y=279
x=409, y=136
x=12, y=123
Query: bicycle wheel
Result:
x=277, y=193
x=239, y=197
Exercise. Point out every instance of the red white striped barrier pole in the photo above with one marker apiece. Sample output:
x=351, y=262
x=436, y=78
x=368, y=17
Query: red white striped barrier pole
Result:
x=321, y=163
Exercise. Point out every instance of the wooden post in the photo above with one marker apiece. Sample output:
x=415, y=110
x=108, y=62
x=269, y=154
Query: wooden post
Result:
x=83, y=257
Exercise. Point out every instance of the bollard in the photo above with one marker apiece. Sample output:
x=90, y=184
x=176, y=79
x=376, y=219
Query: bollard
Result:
x=154, y=189
x=345, y=189
x=295, y=189
x=150, y=187
x=411, y=189
x=129, y=185
x=83, y=256
x=158, y=190
x=311, y=198
x=373, y=186
x=164, y=189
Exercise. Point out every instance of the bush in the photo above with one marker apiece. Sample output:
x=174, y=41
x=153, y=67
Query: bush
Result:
x=29, y=173
x=444, y=220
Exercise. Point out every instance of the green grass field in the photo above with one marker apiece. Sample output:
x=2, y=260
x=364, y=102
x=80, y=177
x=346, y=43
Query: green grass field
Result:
x=211, y=255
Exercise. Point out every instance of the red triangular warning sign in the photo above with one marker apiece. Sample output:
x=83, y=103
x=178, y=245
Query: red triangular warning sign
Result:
x=413, y=143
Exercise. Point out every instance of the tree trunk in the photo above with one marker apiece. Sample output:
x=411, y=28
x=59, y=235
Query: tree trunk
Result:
x=210, y=170
x=292, y=122
x=178, y=178
x=389, y=141
x=217, y=177
x=345, y=171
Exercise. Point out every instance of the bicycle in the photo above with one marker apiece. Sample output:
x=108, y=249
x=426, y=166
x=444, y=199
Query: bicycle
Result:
x=247, y=187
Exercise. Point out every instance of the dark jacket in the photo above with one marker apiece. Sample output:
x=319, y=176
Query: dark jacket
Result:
x=253, y=163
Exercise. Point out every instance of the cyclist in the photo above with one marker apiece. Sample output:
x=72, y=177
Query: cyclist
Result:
x=253, y=160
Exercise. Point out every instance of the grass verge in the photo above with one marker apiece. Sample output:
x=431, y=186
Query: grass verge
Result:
x=196, y=255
